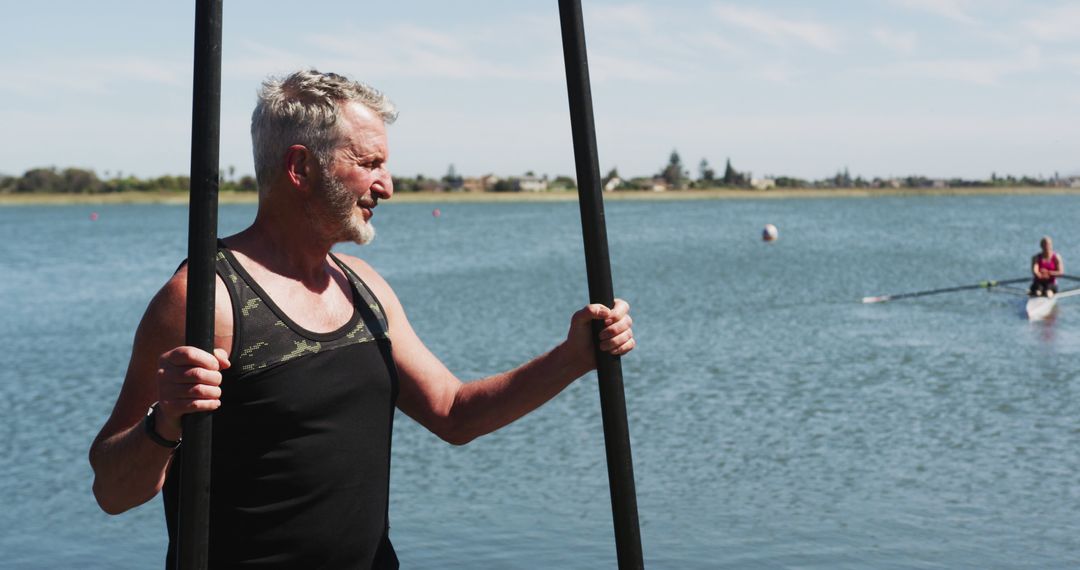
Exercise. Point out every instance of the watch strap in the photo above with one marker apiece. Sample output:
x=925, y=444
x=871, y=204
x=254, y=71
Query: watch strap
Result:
x=150, y=427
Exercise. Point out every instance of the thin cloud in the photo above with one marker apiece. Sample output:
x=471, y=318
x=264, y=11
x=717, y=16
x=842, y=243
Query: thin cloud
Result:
x=899, y=42
x=978, y=71
x=625, y=17
x=414, y=51
x=1071, y=63
x=955, y=10
x=635, y=42
x=608, y=67
x=780, y=73
x=92, y=76
x=160, y=72
x=777, y=28
x=717, y=43
x=1060, y=24
x=257, y=60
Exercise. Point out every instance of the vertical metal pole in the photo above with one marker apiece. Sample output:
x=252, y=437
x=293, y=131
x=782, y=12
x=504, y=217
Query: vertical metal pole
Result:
x=612, y=400
x=194, y=511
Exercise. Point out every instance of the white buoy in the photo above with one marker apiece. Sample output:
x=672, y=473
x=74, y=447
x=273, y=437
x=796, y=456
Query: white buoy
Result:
x=769, y=233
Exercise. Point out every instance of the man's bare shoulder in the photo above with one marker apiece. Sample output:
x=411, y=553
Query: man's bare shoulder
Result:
x=166, y=314
x=361, y=267
x=370, y=276
x=169, y=304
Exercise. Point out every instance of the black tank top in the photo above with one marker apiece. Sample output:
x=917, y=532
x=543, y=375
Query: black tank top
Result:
x=301, y=444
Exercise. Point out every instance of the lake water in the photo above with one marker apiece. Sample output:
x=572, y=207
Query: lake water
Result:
x=776, y=421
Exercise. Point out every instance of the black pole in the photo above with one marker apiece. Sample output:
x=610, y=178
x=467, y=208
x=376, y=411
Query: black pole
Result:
x=612, y=400
x=194, y=511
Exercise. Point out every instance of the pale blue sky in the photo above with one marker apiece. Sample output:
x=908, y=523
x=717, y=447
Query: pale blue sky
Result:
x=883, y=87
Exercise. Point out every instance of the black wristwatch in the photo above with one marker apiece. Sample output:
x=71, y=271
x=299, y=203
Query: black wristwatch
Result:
x=150, y=426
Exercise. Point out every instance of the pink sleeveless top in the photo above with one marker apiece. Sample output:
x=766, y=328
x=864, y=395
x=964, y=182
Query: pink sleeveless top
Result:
x=1049, y=265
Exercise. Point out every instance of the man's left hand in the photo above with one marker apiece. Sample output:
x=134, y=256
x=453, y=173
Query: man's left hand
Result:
x=617, y=336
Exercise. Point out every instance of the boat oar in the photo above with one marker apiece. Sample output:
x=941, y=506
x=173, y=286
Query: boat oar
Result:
x=1070, y=277
x=1069, y=293
x=979, y=285
x=193, y=539
x=608, y=369
x=1009, y=290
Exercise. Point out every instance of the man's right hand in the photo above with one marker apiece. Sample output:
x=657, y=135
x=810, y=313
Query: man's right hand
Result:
x=189, y=381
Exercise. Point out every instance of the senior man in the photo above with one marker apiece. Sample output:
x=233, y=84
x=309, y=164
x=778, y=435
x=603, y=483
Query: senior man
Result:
x=304, y=378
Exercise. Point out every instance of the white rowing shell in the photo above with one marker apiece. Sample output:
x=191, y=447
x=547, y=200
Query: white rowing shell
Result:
x=1038, y=308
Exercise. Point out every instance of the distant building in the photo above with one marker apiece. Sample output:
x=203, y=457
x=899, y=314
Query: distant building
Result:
x=529, y=183
x=658, y=184
x=472, y=184
x=480, y=183
x=612, y=183
x=762, y=183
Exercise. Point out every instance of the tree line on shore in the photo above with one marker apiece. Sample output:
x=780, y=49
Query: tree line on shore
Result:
x=673, y=176
x=53, y=180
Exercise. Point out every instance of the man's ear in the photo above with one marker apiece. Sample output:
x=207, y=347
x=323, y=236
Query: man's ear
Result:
x=300, y=167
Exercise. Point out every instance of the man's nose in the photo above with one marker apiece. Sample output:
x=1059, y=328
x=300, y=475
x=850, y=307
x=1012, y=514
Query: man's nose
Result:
x=384, y=186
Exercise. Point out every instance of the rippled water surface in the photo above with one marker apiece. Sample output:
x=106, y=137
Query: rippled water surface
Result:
x=776, y=421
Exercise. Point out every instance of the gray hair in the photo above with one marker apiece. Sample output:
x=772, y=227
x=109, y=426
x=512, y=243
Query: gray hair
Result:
x=303, y=108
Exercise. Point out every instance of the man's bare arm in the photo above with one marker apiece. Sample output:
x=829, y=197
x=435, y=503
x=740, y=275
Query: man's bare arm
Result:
x=129, y=467
x=459, y=412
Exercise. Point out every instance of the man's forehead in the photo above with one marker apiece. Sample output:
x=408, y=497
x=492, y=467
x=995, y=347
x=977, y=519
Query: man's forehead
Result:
x=356, y=116
x=362, y=124
x=356, y=112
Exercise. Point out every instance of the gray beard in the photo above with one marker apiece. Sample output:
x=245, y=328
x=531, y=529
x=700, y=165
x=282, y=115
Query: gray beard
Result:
x=335, y=213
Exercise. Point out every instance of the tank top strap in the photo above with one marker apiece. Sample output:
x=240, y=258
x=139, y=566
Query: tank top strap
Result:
x=368, y=304
x=251, y=316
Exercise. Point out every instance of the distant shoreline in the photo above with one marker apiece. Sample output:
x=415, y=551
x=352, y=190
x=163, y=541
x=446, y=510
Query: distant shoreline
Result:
x=554, y=196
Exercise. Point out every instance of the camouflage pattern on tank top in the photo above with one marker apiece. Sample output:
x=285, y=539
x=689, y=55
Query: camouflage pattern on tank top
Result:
x=264, y=337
